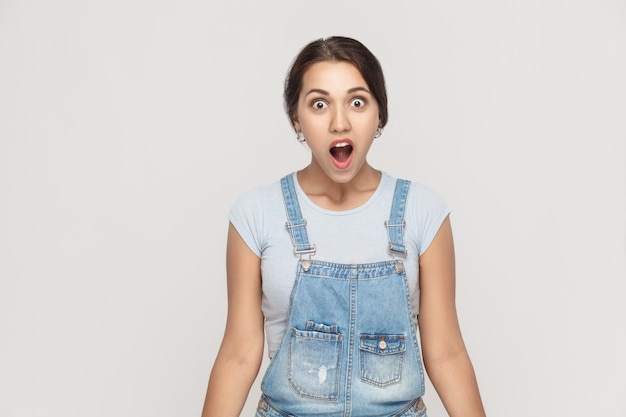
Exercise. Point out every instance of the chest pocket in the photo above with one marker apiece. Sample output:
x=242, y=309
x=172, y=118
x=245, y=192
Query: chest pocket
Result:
x=314, y=361
x=381, y=358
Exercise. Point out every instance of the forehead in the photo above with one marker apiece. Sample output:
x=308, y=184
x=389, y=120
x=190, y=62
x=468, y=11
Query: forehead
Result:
x=332, y=76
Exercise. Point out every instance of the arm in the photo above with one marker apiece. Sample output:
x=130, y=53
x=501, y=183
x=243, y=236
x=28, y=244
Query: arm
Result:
x=239, y=358
x=445, y=357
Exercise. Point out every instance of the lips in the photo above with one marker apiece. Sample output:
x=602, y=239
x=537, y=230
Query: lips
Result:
x=341, y=152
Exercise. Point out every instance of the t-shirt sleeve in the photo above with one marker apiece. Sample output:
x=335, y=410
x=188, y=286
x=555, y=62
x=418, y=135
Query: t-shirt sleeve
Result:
x=246, y=215
x=430, y=212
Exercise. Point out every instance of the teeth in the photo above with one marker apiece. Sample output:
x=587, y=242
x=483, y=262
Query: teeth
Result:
x=342, y=145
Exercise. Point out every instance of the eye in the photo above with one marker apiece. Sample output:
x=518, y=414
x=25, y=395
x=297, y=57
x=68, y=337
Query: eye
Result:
x=319, y=104
x=357, y=102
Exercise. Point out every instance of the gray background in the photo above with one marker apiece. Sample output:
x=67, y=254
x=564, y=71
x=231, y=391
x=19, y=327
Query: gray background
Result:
x=128, y=128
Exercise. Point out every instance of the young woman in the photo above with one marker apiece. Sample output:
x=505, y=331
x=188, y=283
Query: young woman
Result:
x=334, y=262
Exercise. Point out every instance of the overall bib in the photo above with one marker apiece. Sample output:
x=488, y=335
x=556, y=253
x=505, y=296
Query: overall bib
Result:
x=350, y=347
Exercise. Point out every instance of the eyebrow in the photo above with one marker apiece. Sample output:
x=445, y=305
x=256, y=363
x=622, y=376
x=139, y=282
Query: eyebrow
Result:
x=326, y=93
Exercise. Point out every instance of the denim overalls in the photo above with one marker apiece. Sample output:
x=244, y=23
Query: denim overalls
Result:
x=350, y=347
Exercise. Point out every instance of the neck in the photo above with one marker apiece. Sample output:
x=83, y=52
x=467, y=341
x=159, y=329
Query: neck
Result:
x=331, y=195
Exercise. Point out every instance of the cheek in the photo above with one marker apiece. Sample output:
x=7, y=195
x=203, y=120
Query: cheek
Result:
x=313, y=125
x=369, y=123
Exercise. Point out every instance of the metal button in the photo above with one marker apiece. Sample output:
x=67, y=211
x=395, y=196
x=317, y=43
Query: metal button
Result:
x=419, y=405
x=306, y=265
x=382, y=345
x=399, y=267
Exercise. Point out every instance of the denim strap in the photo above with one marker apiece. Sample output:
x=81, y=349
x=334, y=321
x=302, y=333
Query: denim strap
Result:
x=296, y=225
x=395, y=224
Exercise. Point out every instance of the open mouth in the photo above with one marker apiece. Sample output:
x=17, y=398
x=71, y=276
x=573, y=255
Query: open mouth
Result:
x=341, y=151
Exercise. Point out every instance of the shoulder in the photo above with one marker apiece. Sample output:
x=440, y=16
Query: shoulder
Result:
x=257, y=201
x=426, y=210
x=419, y=193
x=258, y=196
x=425, y=196
x=255, y=213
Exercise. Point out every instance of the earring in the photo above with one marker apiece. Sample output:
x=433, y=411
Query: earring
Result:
x=301, y=137
x=379, y=131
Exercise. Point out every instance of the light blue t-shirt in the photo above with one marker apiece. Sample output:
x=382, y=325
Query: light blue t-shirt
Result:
x=352, y=236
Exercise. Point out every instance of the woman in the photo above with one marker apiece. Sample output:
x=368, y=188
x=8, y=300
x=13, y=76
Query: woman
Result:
x=335, y=261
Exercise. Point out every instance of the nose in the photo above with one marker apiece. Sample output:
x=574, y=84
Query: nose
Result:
x=340, y=121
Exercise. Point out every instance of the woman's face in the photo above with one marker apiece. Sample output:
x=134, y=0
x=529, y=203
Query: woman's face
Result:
x=338, y=117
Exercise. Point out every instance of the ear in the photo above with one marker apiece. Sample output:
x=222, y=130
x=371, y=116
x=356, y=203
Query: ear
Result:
x=296, y=124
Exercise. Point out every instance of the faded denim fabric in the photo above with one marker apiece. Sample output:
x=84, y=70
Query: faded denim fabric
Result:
x=350, y=348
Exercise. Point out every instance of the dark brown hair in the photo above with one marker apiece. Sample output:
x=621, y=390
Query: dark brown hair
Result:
x=336, y=48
